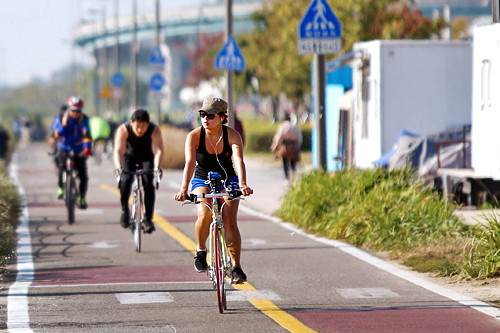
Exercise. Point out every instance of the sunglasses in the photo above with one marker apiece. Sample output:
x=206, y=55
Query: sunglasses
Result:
x=76, y=110
x=210, y=116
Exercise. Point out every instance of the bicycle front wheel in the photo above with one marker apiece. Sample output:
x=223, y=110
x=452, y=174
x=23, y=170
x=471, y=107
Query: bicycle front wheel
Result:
x=70, y=197
x=137, y=222
x=219, y=271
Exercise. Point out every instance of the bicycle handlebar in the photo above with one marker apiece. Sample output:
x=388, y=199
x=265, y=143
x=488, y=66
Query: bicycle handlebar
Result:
x=157, y=172
x=230, y=195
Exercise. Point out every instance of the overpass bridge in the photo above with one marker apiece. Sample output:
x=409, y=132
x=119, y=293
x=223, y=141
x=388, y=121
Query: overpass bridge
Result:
x=180, y=33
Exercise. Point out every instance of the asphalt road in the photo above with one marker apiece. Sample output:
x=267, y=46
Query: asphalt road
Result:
x=88, y=277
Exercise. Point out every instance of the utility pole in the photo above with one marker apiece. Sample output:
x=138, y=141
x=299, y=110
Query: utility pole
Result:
x=320, y=109
x=133, y=58
x=95, y=78
x=158, y=42
x=105, y=54
x=116, y=56
x=230, y=73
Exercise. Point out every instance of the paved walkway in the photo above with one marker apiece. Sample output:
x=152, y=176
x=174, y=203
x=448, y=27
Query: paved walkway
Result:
x=268, y=182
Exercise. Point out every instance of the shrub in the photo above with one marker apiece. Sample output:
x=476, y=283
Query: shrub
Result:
x=10, y=210
x=482, y=255
x=386, y=211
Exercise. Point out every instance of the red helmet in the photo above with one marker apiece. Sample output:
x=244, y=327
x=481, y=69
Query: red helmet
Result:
x=75, y=102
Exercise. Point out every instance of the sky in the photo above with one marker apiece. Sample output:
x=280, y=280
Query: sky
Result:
x=35, y=35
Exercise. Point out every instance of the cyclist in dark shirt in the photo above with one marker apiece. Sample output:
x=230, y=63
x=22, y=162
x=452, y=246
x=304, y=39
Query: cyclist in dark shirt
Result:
x=213, y=147
x=138, y=145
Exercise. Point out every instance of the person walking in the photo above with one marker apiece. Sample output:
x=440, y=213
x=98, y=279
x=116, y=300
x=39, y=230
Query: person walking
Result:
x=138, y=145
x=215, y=147
x=286, y=145
x=4, y=142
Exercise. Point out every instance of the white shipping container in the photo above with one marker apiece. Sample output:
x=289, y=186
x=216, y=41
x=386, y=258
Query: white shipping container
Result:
x=485, y=133
x=421, y=86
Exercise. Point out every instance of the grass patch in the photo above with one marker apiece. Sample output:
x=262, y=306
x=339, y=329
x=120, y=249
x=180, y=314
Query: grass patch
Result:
x=394, y=212
x=174, y=141
x=482, y=253
x=10, y=210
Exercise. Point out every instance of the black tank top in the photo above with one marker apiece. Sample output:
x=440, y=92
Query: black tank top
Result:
x=139, y=148
x=221, y=163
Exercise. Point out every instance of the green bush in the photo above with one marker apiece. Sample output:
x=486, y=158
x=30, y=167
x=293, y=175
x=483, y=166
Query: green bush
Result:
x=10, y=210
x=386, y=211
x=482, y=255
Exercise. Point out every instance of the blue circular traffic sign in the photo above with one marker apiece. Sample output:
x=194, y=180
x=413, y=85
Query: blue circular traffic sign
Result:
x=157, y=82
x=118, y=79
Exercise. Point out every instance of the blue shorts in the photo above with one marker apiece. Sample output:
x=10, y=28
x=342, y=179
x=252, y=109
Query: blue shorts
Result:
x=231, y=182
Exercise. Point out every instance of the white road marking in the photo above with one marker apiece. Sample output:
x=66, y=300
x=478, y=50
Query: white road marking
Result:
x=384, y=265
x=144, y=298
x=355, y=293
x=18, y=319
x=255, y=241
x=102, y=245
x=89, y=211
x=250, y=295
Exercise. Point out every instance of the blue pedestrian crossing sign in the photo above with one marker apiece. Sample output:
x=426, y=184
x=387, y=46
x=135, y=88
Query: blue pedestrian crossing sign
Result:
x=157, y=82
x=320, y=30
x=157, y=59
x=230, y=57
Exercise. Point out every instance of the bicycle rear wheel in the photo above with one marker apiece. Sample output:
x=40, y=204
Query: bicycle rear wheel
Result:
x=70, y=197
x=219, y=272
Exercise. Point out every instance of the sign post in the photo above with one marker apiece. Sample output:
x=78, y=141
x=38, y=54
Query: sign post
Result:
x=495, y=8
x=157, y=63
x=319, y=34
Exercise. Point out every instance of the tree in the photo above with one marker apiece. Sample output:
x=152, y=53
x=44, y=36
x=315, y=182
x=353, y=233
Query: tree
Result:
x=271, y=48
x=459, y=28
x=203, y=57
x=401, y=22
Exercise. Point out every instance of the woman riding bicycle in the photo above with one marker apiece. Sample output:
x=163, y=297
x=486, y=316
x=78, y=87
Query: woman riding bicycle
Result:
x=213, y=147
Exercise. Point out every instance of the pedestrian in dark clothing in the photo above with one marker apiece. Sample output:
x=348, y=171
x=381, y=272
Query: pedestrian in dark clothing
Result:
x=4, y=142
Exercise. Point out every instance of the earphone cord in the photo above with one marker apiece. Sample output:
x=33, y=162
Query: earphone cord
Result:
x=215, y=150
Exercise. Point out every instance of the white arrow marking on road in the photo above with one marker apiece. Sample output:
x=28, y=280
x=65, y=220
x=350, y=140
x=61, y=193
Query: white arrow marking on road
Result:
x=144, y=298
x=102, y=245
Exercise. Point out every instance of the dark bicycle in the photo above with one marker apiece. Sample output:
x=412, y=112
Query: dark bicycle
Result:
x=137, y=209
x=70, y=183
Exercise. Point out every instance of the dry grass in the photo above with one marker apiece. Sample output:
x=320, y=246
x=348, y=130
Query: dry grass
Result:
x=174, y=140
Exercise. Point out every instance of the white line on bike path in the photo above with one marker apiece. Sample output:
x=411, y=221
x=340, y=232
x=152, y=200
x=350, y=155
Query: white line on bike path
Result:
x=17, y=302
x=386, y=266
x=267, y=307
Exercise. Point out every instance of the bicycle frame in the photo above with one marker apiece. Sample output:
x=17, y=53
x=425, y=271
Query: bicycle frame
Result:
x=219, y=260
x=137, y=211
x=137, y=216
x=70, y=187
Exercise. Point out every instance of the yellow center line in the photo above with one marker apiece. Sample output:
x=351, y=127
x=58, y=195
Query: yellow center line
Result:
x=267, y=307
